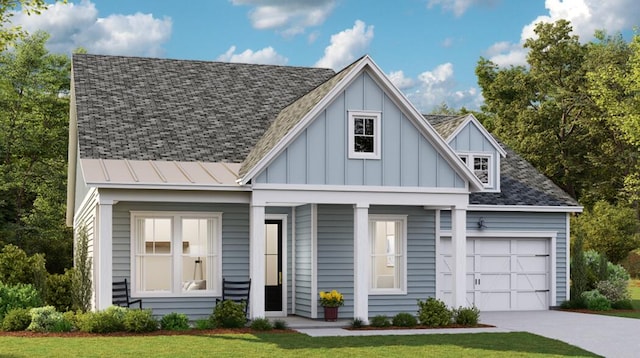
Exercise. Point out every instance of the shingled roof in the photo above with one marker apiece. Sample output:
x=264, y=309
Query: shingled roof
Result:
x=520, y=182
x=175, y=110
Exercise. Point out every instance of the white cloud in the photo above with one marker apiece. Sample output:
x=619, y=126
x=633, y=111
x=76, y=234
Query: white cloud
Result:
x=290, y=17
x=439, y=86
x=78, y=25
x=458, y=7
x=346, y=46
x=399, y=80
x=266, y=56
x=447, y=42
x=506, y=54
x=586, y=17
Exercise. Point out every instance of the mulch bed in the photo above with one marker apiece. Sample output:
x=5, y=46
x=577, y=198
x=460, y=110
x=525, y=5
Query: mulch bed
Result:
x=188, y=332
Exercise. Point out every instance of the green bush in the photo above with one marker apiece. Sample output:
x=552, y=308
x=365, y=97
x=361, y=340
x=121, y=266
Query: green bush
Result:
x=229, y=314
x=380, y=321
x=19, y=295
x=205, y=324
x=58, y=291
x=404, y=319
x=107, y=321
x=47, y=319
x=261, y=324
x=18, y=268
x=596, y=301
x=357, y=323
x=614, y=290
x=466, y=316
x=72, y=318
x=622, y=305
x=139, y=321
x=175, y=322
x=18, y=319
x=433, y=313
x=280, y=324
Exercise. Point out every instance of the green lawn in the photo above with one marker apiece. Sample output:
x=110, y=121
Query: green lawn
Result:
x=292, y=345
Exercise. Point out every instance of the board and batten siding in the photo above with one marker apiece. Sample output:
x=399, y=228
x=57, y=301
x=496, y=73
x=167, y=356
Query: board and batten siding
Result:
x=523, y=221
x=319, y=156
x=471, y=140
x=235, y=251
x=421, y=262
x=303, y=260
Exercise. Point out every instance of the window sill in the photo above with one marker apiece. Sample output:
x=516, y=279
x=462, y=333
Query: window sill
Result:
x=387, y=292
x=175, y=295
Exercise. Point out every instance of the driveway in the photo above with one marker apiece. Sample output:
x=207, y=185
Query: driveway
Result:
x=604, y=335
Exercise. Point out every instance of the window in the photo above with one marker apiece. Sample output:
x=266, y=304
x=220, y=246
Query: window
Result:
x=480, y=164
x=364, y=135
x=175, y=254
x=388, y=254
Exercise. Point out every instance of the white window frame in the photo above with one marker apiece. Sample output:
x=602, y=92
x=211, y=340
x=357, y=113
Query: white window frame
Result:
x=377, y=141
x=470, y=159
x=176, y=242
x=402, y=290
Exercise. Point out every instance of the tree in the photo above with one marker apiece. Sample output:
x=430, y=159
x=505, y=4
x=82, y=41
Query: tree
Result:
x=10, y=34
x=33, y=134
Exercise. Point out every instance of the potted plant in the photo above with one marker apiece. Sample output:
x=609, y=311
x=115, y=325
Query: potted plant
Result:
x=331, y=301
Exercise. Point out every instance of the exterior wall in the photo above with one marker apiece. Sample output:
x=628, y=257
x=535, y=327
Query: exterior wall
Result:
x=421, y=262
x=235, y=251
x=303, y=260
x=471, y=140
x=81, y=188
x=319, y=155
x=85, y=217
x=523, y=221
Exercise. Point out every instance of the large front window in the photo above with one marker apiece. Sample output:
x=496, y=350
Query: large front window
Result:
x=388, y=254
x=175, y=253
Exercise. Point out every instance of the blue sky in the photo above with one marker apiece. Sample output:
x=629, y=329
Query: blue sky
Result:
x=428, y=47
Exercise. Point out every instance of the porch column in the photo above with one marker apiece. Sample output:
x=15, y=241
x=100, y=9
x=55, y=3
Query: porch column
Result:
x=459, y=250
x=361, y=262
x=105, y=254
x=256, y=260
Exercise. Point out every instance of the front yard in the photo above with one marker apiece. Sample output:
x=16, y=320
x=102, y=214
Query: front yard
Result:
x=634, y=291
x=291, y=345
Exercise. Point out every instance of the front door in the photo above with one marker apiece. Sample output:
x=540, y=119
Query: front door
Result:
x=273, y=266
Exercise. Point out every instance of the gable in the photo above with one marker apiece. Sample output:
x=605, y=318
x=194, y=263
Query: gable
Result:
x=319, y=154
x=470, y=139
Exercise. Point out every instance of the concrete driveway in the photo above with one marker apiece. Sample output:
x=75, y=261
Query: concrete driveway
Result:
x=604, y=335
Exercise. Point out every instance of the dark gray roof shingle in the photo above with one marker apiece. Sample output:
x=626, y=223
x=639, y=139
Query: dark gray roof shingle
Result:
x=520, y=182
x=159, y=109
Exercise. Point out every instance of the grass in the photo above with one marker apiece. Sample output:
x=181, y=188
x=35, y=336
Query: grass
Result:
x=517, y=344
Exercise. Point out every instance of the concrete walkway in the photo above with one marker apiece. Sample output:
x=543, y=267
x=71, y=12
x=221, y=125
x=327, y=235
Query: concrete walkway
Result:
x=604, y=335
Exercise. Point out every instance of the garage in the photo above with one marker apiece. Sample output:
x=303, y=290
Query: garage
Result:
x=503, y=274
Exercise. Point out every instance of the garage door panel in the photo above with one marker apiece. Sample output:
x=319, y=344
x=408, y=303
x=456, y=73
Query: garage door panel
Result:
x=532, y=282
x=527, y=301
x=492, y=247
x=494, y=301
x=494, y=282
x=532, y=264
x=494, y=264
x=532, y=247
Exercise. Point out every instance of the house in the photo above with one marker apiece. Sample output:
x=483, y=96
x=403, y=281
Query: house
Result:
x=184, y=173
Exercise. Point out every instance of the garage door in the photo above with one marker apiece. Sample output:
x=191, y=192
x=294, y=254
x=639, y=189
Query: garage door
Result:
x=502, y=273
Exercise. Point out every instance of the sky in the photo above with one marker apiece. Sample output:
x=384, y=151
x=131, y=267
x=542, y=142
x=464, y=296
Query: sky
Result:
x=429, y=48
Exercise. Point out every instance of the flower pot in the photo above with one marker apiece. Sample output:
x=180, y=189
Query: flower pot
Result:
x=331, y=314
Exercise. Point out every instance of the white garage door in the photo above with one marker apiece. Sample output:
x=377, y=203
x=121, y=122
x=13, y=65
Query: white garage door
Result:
x=502, y=273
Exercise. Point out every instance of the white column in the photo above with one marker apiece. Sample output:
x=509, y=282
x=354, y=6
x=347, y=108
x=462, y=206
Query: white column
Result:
x=105, y=254
x=361, y=262
x=256, y=260
x=459, y=250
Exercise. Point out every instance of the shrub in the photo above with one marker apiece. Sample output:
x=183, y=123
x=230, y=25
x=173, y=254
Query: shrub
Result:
x=357, y=323
x=175, y=322
x=596, y=301
x=81, y=282
x=229, y=314
x=58, y=291
x=18, y=268
x=579, y=270
x=18, y=319
x=139, y=321
x=433, y=313
x=404, y=319
x=574, y=303
x=205, y=324
x=280, y=324
x=614, y=290
x=466, y=316
x=72, y=318
x=17, y=296
x=622, y=305
x=107, y=321
x=261, y=324
x=47, y=319
x=380, y=321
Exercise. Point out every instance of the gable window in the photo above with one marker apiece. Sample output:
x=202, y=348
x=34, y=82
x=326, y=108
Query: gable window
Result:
x=364, y=135
x=481, y=165
x=175, y=254
x=388, y=254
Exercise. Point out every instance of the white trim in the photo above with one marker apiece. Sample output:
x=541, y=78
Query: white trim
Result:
x=105, y=255
x=176, y=227
x=526, y=208
x=314, y=261
x=568, y=257
x=459, y=256
x=177, y=196
x=293, y=260
x=377, y=141
x=361, y=262
x=143, y=186
x=402, y=290
x=491, y=166
x=438, y=235
x=256, y=259
x=470, y=118
x=283, y=219
x=358, y=188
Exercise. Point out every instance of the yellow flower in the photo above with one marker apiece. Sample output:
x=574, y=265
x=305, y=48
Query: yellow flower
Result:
x=331, y=299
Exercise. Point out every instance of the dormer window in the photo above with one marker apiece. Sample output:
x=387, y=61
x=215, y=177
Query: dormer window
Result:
x=364, y=135
x=481, y=165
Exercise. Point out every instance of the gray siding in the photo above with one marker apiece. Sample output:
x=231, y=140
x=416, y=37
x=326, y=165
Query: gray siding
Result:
x=421, y=262
x=319, y=154
x=335, y=253
x=303, y=260
x=235, y=251
x=471, y=140
x=522, y=221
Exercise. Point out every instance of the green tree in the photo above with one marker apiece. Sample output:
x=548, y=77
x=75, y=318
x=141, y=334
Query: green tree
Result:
x=33, y=134
x=10, y=34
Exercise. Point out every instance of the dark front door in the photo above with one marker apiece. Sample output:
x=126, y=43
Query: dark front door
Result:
x=273, y=266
